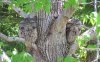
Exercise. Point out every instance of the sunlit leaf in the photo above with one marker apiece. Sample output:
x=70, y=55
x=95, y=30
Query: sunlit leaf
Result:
x=73, y=1
x=98, y=18
x=98, y=28
x=47, y=7
x=1, y=51
x=28, y=8
x=82, y=52
x=81, y=42
x=69, y=3
x=1, y=44
x=92, y=21
x=66, y=5
x=22, y=57
x=91, y=46
x=10, y=7
x=38, y=5
x=70, y=59
x=83, y=1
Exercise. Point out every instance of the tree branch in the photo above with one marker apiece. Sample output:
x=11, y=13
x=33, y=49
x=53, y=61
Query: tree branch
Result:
x=60, y=23
x=11, y=39
x=18, y=10
x=62, y=20
x=98, y=2
x=91, y=32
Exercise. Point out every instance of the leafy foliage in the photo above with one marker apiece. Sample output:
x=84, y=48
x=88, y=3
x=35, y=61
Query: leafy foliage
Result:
x=98, y=25
x=9, y=26
x=22, y=57
x=70, y=59
x=91, y=46
x=69, y=3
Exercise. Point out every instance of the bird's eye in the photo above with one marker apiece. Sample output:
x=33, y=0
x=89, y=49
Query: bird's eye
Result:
x=22, y=27
x=33, y=27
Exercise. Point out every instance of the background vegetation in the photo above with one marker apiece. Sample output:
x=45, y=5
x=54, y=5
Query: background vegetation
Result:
x=9, y=25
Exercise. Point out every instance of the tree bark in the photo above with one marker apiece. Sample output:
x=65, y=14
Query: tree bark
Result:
x=45, y=34
x=47, y=40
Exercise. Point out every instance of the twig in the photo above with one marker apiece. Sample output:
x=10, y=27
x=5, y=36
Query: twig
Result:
x=92, y=49
x=98, y=2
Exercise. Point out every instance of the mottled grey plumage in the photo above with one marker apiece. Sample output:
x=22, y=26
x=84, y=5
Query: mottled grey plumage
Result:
x=72, y=30
x=27, y=30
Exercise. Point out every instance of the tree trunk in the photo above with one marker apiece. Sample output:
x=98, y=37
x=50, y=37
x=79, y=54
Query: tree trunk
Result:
x=45, y=34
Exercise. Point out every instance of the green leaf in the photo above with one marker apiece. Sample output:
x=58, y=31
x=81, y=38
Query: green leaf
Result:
x=22, y=57
x=59, y=59
x=92, y=21
x=38, y=6
x=47, y=7
x=69, y=3
x=28, y=8
x=80, y=42
x=98, y=29
x=84, y=19
x=66, y=5
x=82, y=52
x=1, y=51
x=93, y=16
x=5, y=61
x=98, y=18
x=10, y=7
x=91, y=46
x=98, y=24
x=70, y=59
x=73, y=2
x=1, y=44
x=83, y=1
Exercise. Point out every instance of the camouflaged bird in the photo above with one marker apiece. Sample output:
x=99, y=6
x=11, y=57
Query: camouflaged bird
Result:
x=28, y=31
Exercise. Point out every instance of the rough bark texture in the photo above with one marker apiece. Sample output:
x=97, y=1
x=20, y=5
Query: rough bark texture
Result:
x=45, y=34
x=47, y=45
